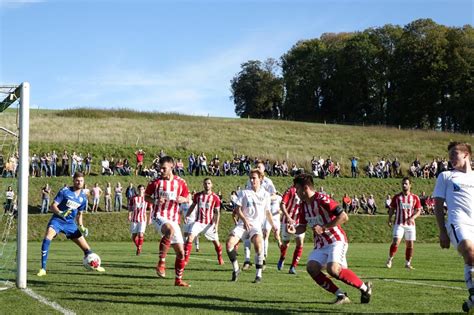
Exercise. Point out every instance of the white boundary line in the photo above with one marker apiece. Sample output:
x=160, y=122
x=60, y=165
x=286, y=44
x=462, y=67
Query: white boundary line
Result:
x=44, y=300
x=425, y=284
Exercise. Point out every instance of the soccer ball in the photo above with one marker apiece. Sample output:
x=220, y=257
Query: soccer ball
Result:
x=91, y=261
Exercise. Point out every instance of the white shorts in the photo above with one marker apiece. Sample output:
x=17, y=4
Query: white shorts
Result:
x=276, y=222
x=96, y=200
x=459, y=232
x=240, y=232
x=188, y=224
x=137, y=227
x=400, y=231
x=286, y=237
x=334, y=252
x=177, y=237
x=209, y=230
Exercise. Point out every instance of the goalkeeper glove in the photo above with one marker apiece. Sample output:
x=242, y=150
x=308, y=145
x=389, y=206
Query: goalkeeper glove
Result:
x=84, y=230
x=64, y=214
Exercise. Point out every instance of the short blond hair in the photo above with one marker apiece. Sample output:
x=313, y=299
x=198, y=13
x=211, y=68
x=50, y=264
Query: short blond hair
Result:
x=256, y=171
x=463, y=146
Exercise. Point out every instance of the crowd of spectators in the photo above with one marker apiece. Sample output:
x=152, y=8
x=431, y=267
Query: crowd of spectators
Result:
x=52, y=164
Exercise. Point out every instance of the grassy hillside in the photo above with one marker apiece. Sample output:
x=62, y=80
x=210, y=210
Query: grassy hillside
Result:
x=119, y=133
x=114, y=227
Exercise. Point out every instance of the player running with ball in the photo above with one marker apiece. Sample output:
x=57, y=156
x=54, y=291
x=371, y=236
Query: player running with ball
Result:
x=67, y=209
x=324, y=216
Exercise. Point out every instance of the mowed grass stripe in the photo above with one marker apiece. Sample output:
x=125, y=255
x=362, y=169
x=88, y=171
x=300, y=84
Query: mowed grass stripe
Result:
x=130, y=284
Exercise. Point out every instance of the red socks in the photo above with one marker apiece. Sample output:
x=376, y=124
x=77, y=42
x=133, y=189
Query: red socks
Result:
x=179, y=267
x=164, y=247
x=325, y=283
x=297, y=255
x=188, y=247
x=393, y=250
x=349, y=277
x=283, y=249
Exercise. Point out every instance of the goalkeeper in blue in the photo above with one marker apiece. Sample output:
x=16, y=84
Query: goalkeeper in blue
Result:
x=67, y=209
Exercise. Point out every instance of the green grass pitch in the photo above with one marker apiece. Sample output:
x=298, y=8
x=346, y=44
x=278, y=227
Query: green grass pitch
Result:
x=131, y=286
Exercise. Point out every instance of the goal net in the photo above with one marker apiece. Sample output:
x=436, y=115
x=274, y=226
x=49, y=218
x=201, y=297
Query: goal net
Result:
x=14, y=171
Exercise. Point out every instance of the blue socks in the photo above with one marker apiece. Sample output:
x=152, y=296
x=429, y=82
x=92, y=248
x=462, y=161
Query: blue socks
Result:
x=44, y=252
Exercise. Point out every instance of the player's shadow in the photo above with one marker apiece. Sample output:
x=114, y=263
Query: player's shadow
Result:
x=415, y=279
x=264, y=307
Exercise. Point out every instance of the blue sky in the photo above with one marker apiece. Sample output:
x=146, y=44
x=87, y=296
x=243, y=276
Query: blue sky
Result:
x=173, y=56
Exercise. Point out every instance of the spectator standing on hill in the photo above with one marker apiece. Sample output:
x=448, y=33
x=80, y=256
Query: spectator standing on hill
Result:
x=397, y=168
x=108, y=197
x=407, y=208
x=140, y=156
x=67, y=209
x=45, y=192
x=191, y=163
x=65, y=164
x=354, y=161
x=166, y=193
x=130, y=192
x=35, y=170
x=324, y=217
x=88, y=164
x=456, y=189
x=10, y=196
x=74, y=158
x=388, y=201
x=118, y=197
x=54, y=163
x=43, y=165
x=96, y=193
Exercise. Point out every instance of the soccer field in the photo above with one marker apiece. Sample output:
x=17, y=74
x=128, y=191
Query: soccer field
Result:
x=131, y=286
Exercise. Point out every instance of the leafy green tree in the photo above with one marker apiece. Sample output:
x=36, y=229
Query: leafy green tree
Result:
x=257, y=90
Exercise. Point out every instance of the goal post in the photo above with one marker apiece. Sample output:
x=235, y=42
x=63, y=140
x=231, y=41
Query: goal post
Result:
x=22, y=237
x=21, y=92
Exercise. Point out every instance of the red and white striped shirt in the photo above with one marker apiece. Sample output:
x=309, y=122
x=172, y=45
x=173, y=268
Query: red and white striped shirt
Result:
x=138, y=207
x=405, y=207
x=292, y=204
x=205, y=205
x=169, y=191
x=319, y=211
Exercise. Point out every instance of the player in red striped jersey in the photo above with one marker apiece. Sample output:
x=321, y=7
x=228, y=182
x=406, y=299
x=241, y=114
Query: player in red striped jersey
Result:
x=137, y=217
x=324, y=216
x=290, y=206
x=208, y=207
x=166, y=193
x=407, y=208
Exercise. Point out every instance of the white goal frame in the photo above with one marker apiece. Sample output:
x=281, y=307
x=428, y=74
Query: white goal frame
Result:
x=22, y=92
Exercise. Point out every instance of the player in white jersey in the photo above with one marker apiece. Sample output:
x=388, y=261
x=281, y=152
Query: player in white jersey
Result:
x=266, y=184
x=267, y=225
x=138, y=218
x=252, y=207
x=407, y=208
x=456, y=189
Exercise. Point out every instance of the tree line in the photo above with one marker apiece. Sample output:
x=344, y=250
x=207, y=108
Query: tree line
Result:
x=417, y=76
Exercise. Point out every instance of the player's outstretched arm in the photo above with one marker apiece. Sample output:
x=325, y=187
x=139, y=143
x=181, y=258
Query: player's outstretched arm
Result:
x=439, y=213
